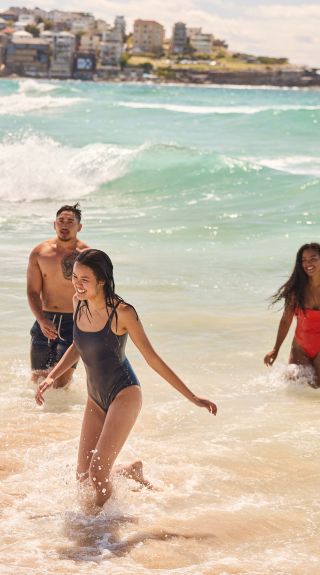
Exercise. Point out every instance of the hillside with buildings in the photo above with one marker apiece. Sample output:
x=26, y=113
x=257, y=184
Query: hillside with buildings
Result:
x=58, y=44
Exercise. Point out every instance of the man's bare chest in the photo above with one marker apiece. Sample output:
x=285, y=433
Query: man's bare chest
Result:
x=57, y=266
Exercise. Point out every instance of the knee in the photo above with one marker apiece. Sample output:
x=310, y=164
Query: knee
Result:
x=37, y=375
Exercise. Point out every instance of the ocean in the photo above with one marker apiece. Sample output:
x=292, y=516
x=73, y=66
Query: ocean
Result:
x=201, y=195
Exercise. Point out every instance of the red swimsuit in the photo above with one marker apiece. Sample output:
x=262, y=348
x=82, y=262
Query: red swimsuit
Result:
x=307, y=334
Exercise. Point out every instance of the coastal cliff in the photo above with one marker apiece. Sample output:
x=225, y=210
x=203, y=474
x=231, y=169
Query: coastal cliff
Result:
x=273, y=77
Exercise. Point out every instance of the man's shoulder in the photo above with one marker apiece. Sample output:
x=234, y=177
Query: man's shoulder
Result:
x=44, y=248
x=81, y=246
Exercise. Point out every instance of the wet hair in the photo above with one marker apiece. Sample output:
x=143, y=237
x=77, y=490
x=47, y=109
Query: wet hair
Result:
x=101, y=265
x=75, y=209
x=293, y=291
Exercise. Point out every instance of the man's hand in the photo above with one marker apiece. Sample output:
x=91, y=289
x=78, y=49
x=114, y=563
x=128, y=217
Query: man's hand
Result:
x=48, y=328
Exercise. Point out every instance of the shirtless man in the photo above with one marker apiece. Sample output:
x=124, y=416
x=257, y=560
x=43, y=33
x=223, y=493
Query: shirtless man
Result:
x=50, y=292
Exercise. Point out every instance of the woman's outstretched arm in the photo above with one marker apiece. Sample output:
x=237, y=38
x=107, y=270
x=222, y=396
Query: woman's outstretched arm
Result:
x=136, y=332
x=284, y=326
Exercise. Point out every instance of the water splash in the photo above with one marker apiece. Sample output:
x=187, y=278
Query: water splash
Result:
x=35, y=97
x=35, y=167
x=36, y=87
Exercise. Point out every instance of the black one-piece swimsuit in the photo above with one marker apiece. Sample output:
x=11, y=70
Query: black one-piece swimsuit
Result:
x=103, y=354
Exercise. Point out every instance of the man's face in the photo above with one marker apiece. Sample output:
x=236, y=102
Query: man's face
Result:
x=67, y=226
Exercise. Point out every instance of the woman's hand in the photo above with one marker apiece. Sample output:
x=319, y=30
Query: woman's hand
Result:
x=270, y=357
x=42, y=387
x=209, y=405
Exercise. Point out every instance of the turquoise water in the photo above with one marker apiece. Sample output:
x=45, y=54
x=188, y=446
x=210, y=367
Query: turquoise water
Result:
x=219, y=184
x=201, y=196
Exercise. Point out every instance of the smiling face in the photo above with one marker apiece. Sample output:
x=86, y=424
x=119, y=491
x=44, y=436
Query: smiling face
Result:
x=67, y=226
x=85, y=283
x=310, y=262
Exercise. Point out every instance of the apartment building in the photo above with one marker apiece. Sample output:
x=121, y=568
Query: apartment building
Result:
x=9, y=15
x=62, y=50
x=90, y=42
x=82, y=23
x=71, y=21
x=202, y=43
x=102, y=26
x=111, y=48
x=27, y=56
x=23, y=21
x=148, y=37
x=120, y=25
x=4, y=39
x=179, y=38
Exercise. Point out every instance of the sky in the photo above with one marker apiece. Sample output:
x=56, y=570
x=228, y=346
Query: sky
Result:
x=281, y=28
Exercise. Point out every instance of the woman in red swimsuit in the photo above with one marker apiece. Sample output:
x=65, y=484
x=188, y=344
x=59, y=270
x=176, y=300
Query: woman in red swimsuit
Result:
x=301, y=295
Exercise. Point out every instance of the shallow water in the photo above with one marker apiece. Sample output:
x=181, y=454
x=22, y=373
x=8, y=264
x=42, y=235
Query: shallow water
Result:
x=201, y=197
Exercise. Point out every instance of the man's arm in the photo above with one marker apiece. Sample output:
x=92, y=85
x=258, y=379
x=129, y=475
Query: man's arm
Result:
x=34, y=288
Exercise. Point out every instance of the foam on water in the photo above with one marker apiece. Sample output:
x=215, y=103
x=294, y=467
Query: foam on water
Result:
x=29, y=86
x=217, y=109
x=183, y=526
x=34, y=97
x=35, y=167
x=299, y=165
x=201, y=233
x=22, y=104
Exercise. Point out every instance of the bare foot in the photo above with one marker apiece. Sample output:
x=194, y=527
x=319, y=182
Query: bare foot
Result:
x=135, y=472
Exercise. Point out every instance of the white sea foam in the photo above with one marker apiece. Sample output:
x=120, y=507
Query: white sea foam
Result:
x=298, y=165
x=28, y=86
x=34, y=96
x=216, y=109
x=34, y=167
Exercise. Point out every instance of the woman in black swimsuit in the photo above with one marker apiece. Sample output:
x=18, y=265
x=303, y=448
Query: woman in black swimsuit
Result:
x=102, y=323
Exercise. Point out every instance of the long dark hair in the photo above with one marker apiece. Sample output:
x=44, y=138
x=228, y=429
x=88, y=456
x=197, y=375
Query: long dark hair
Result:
x=293, y=291
x=101, y=265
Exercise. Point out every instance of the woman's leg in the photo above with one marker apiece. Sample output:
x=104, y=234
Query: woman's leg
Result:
x=119, y=421
x=298, y=356
x=92, y=424
x=316, y=364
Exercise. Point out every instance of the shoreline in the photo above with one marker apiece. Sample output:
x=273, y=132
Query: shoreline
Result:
x=273, y=79
x=226, y=85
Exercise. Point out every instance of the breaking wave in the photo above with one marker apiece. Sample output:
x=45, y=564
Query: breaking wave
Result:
x=34, y=167
x=183, y=109
x=34, y=96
